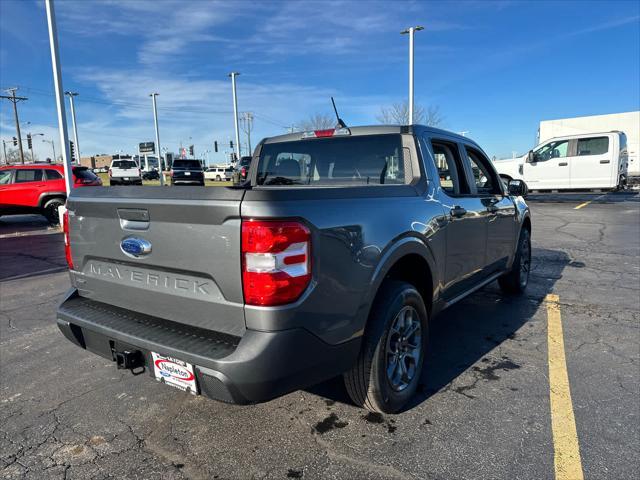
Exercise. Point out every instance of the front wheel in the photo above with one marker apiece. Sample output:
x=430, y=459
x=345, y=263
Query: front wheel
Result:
x=387, y=371
x=517, y=279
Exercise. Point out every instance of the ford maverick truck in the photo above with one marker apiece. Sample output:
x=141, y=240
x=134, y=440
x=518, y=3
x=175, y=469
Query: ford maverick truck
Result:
x=330, y=259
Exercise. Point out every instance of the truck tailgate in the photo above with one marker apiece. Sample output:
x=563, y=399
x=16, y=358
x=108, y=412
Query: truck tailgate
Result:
x=192, y=273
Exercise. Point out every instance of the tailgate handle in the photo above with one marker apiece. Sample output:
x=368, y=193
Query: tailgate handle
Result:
x=133, y=218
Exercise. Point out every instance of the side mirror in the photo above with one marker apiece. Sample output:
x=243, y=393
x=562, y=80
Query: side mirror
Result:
x=531, y=158
x=518, y=188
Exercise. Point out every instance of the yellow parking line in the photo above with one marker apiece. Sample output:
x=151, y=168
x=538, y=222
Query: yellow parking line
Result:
x=567, y=461
x=583, y=205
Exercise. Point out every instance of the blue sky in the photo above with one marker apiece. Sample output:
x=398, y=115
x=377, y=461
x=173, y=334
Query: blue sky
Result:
x=495, y=69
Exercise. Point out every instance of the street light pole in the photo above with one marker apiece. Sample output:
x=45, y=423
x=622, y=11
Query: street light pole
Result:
x=411, y=31
x=73, y=122
x=57, y=82
x=155, y=121
x=4, y=147
x=233, y=76
x=53, y=147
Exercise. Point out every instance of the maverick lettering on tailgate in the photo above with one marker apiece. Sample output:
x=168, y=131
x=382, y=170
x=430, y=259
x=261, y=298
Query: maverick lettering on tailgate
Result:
x=150, y=279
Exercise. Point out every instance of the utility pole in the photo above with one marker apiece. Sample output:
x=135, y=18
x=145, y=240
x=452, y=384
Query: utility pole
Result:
x=73, y=121
x=247, y=126
x=13, y=99
x=233, y=76
x=57, y=82
x=158, y=150
x=411, y=31
x=4, y=148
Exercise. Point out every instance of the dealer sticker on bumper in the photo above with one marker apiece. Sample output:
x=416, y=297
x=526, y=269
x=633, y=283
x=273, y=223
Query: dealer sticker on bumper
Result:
x=174, y=372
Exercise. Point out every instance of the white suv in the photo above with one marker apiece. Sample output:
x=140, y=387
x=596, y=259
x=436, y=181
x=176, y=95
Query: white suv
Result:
x=219, y=174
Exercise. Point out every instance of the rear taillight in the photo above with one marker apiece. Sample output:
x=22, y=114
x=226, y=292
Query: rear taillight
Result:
x=276, y=261
x=109, y=172
x=171, y=173
x=243, y=172
x=67, y=246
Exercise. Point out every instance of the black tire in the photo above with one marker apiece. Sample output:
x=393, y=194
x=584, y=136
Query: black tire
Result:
x=517, y=279
x=50, y=210
x=217, y=178
x=368, y=382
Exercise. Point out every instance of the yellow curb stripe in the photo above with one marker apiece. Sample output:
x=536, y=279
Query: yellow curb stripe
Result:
x=567, y=461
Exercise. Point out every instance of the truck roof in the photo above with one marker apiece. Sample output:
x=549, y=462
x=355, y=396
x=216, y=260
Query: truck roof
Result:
x=376, y=130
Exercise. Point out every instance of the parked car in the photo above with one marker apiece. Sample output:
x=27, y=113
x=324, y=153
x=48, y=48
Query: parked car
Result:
x=151, y=175
x=243, y=167
x=332, y=260
x=125, y=172
x=219, y=173
x=39, y=188
x=585, y=161
x=187, y=172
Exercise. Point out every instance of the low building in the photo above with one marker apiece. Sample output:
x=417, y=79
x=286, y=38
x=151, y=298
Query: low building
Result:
x=627, y=122
x=96, y=161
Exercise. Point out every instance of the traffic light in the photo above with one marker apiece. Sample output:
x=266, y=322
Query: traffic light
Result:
x=231, y=144
x=215, y=146
x=29, y=144
x=191, y=150
x=72, y=149
x=15, y=142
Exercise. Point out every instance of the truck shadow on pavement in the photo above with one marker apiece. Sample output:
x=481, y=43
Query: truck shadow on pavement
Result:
x=463, y=336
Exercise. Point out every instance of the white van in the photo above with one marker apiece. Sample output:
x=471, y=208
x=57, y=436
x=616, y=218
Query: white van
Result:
x=594, y=160
x=219, y=173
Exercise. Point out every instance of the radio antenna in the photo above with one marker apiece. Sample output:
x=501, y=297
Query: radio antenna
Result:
x=341, y=124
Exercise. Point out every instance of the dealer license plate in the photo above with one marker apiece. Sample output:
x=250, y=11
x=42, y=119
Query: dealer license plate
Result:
x=174, y=372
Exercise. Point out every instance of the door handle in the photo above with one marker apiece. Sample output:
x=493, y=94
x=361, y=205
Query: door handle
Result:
x=458, y=211
x=563, y=164
x=605, y=161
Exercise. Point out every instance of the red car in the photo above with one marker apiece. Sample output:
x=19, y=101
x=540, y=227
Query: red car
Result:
x=39, y=188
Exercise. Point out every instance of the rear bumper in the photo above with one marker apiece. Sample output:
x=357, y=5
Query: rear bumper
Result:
x=120, y=181
x=256, y=367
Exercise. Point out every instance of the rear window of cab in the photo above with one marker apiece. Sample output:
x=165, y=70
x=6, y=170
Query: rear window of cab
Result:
x=344, y=161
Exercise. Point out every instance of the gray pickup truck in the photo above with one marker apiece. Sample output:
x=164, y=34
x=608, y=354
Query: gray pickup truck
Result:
x=330, y=259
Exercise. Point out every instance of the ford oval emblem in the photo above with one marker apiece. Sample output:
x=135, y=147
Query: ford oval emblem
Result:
x=135, y=247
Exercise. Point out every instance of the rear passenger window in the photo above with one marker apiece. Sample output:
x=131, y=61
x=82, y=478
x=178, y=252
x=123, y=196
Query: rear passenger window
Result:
x=30, y=175
x=52, y=174
x=447, y=159
x=484, y=178
x=593, y=146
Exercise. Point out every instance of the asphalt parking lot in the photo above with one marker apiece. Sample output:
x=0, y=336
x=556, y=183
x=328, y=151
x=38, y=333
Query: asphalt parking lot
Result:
x=489, y=407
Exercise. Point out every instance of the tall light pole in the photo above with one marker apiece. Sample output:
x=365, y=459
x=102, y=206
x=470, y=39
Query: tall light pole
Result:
x=57, y=82
x=158, y=150
x=73, y=122
x=4, y=148
x=411, y=31
x=233, y=76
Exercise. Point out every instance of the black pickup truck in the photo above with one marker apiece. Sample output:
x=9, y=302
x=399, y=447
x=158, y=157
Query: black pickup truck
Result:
x=331, y=259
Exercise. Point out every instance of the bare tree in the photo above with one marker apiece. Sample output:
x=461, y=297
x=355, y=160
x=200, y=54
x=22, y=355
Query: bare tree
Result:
x=13, y=156
x=318, y=121
x=398, y=114
x=433, y=117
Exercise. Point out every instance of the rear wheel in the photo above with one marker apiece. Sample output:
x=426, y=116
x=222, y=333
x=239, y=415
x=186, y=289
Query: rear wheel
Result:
x=388, y=369
x=217, y=178
x=50, y=210
x=517, y=279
